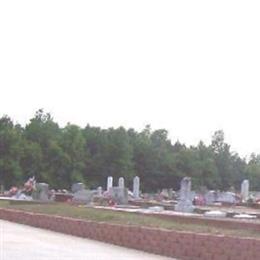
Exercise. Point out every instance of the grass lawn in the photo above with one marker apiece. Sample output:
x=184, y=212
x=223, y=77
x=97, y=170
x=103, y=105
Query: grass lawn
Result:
x=125, y=218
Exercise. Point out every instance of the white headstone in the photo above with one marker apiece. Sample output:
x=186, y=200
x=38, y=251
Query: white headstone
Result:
x=109, y=182
x=245, y=190
x=136, y=187
x=121, y=182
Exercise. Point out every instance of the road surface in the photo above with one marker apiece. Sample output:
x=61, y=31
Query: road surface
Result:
x=20, y=242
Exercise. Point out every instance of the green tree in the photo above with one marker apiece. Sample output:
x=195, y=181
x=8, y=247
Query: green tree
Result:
x=61, y=156
x=73, y=144
x=253, y=172
x=10, y=152
x=223, y=159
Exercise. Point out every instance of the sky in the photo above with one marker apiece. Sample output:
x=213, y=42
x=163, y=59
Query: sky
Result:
x=191, y=67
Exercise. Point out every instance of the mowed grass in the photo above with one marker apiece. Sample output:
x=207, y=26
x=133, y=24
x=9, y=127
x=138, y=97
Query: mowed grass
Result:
x=125, y=218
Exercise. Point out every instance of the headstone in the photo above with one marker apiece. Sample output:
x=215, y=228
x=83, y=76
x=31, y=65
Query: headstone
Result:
x=119, y=195
x=83, y=196
x=77, y=186
x=109, y=182
x=185, y=202
x=121, y=182
x=41, y=192
x=210, y=197
x=136, y=187
x=99, y=191
x=227, y=197
x=165, y=193
x=245, y=190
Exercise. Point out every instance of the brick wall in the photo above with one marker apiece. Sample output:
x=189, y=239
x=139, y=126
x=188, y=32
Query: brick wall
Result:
x=182, y=245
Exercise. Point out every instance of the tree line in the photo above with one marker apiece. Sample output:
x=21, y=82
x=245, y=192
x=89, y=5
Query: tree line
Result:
x=62, y=156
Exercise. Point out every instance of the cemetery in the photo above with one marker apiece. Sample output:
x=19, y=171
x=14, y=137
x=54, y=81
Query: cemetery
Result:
x=202, y=215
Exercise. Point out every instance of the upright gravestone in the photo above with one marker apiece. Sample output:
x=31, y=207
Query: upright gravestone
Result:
x=41, y=192
x=119, y=195
x=136, y=187
x=109, y=182
x=99, y=191
x=210, y=197
x=83, y=196
x=185, y=202
x=245, y=190
x=77, y=187
x=121, y=182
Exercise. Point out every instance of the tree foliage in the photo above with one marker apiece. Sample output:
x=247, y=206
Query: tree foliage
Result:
x=61, y=156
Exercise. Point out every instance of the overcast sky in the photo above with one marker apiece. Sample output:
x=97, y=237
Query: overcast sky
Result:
x=191, y=67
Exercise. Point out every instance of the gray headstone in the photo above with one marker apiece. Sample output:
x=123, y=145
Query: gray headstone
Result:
x=77, y=187
x=119, y=195
x=227, y=197
x=136, y=187
x=41, y=192
x=109, y=182
x=99, y=191
x=121, y=182
x=83, y=196
x=245, y=190
x=210, y=197
x=185, y=202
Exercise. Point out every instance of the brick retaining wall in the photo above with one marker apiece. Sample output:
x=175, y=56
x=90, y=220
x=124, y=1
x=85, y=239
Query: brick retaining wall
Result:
x=182, y=245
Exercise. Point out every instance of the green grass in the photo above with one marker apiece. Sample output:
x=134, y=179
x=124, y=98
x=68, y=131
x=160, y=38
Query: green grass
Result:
x=125, y=218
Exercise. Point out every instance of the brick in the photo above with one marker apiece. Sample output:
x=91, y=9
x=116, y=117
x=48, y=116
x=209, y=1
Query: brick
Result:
x=184, y=245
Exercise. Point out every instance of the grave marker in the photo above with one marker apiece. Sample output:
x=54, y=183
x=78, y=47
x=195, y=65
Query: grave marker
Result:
x=121, y=182
x=185, y=202
x=245, y=190
x=136, y=187
x=109, y=182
